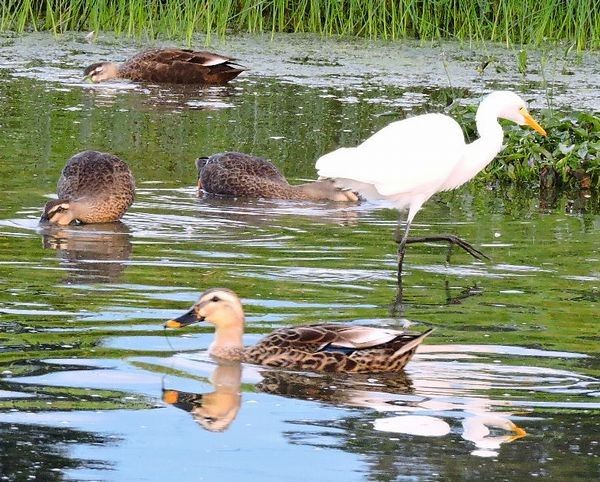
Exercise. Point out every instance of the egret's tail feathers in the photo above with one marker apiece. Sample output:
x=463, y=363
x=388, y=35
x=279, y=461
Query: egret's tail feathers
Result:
x=338, y=163
x=349, y=170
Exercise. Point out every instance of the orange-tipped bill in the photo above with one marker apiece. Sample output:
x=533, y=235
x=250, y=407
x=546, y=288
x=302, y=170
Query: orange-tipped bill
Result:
x=531, y=122
x=172, y=324
x=518, y=433
x=170, y=396
x=184, y=320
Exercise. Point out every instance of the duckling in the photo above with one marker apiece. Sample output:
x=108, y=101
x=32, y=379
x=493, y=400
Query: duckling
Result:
x=176, y=66
x=320, y=347
x=94, y=187
x=243, y=175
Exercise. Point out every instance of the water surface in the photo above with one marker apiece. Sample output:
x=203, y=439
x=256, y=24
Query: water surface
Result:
x=89, y=377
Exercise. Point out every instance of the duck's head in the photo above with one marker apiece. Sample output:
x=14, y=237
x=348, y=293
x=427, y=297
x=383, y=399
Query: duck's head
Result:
x=219, y=306
x=101, y=71
x=508, y=105
x=58, y=211
x=65, y=211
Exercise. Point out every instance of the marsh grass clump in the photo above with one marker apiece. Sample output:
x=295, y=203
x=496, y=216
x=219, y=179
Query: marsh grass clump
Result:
x=568, y=158
x=508, y=21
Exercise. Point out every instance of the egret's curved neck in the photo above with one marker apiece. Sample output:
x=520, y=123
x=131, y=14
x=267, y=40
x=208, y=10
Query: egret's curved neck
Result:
x=480, y=153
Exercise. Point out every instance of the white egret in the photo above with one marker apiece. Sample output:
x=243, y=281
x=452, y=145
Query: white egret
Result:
x=410, y=160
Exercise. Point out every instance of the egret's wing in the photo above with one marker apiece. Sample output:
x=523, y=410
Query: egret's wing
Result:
x=414, y=154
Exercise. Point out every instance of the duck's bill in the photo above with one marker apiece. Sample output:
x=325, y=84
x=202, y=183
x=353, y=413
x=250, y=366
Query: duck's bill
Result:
x=531, y=122
x=170, y=396
x=184, y=320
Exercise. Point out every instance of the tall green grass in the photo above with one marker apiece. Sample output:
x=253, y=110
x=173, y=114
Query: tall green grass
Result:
x=509, y=21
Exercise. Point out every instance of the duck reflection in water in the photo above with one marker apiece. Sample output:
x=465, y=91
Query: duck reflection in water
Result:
x=90, y=253
x=356, y=390
x=394, y=394
x=216, y=410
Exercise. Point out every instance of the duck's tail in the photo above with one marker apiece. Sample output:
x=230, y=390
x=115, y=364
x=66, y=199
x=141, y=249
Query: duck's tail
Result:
x=414, y=343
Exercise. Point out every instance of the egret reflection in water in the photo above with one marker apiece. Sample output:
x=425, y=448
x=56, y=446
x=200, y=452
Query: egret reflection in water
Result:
x=391, y=393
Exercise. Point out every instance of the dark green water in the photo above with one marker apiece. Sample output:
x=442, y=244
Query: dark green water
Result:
x=84, y=361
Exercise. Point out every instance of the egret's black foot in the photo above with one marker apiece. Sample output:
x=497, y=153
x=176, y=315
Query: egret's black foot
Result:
x=450, y=238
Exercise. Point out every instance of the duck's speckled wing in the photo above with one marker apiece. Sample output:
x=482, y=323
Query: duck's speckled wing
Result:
x=104, y=181
x=97, y=174
x=180, y=66
x=242, y=175
x=336, y=348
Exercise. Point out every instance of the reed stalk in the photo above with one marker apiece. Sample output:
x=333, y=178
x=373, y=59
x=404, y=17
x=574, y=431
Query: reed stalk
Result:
x=514, y=22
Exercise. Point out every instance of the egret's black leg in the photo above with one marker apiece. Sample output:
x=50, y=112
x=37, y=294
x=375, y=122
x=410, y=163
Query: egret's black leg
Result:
x=402, y=250
x=449, y=238
x=449, y=253
x=397, y=307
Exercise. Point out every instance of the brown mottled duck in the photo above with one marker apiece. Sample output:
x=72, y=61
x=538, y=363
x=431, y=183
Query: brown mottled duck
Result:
x=243, y=175
x=321, y=347
x=94, y=187
x=169, y=65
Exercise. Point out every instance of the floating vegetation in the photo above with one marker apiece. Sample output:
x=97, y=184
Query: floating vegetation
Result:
x=508, y=21
x=568, y=158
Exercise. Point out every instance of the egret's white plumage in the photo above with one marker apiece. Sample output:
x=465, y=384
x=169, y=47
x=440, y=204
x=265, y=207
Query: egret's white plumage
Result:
x=410, y=160
x=400, y=162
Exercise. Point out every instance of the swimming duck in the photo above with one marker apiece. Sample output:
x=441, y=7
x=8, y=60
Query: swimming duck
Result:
x=177, y=66
x=243, y=175
x=94, y=187
x=320, y=347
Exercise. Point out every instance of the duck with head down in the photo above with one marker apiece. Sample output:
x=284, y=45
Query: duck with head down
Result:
x=236, y=174
x=319, y=347
x=94, y=187
x=169, y=65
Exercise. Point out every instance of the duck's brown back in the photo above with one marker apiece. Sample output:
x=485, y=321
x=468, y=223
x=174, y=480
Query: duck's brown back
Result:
x=242, y=175
x=307, y=348
x=103, y=180
x=180, y=66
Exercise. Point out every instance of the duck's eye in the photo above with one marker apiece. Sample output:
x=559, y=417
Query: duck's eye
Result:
x=215, y=299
